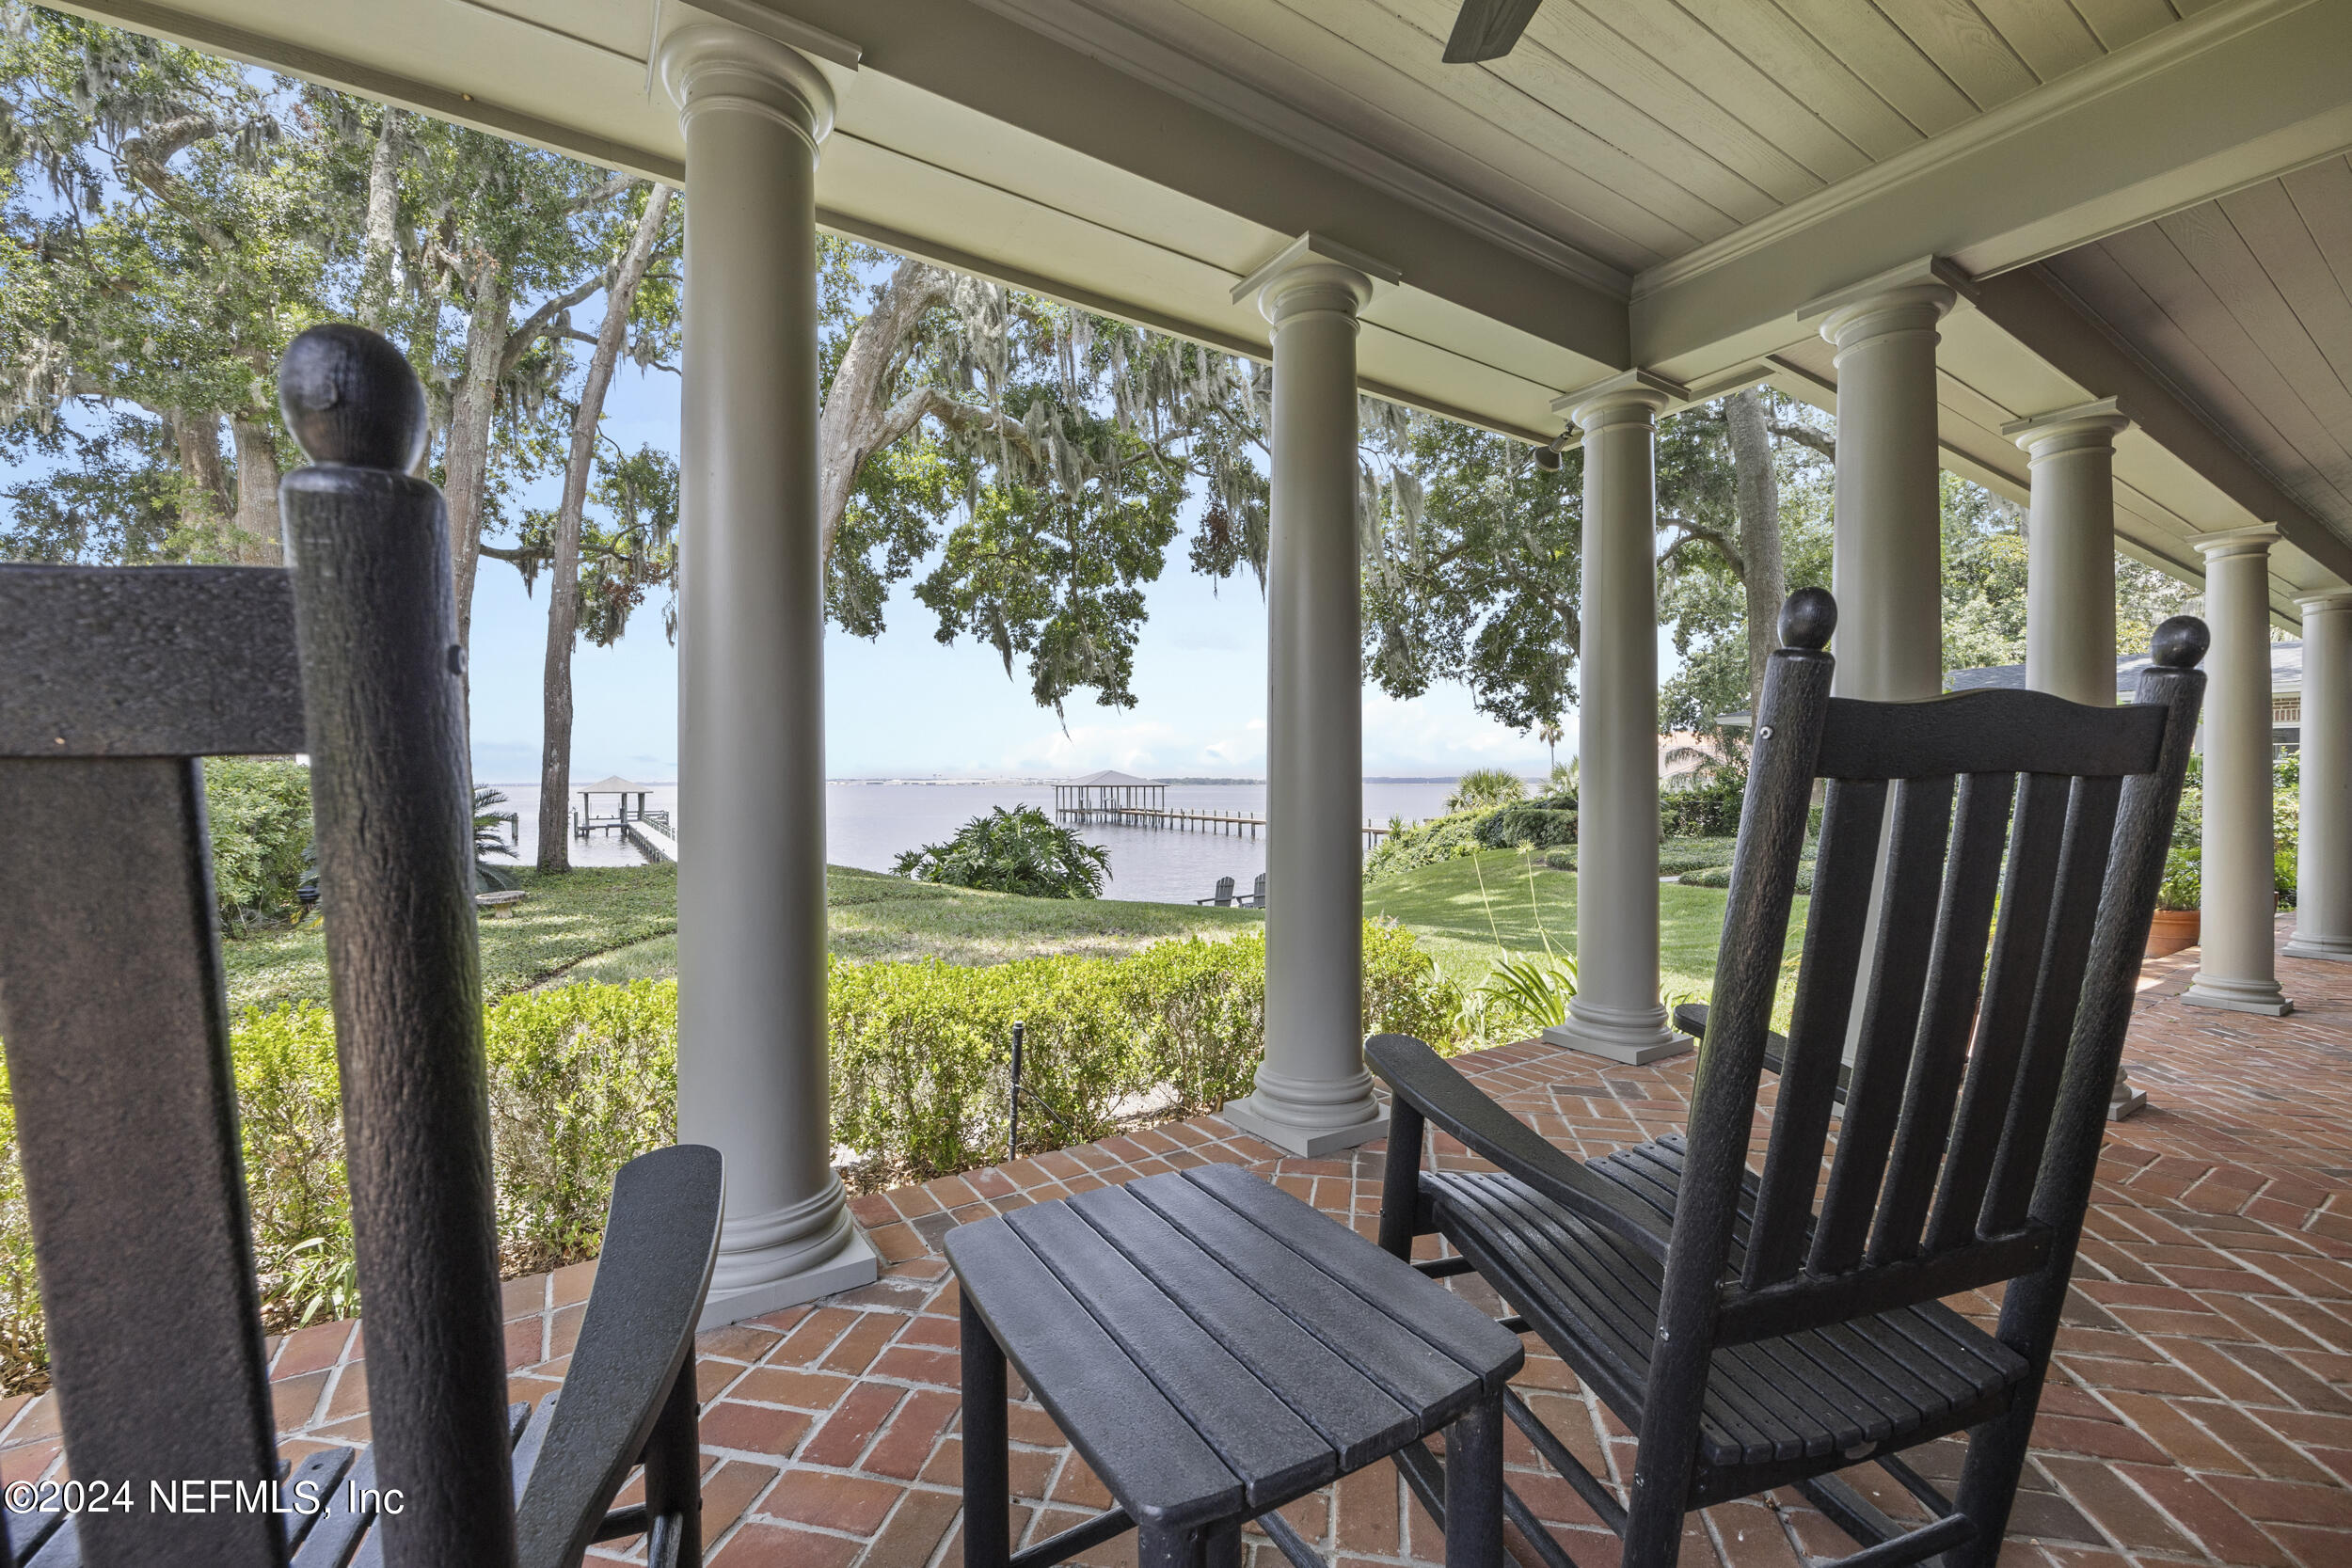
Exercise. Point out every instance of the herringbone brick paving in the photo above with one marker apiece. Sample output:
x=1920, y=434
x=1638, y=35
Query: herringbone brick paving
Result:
x=2200, y=1411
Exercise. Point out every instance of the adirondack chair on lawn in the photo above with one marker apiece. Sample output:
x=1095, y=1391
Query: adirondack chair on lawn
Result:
x=1750, y=1337
x=113, y=683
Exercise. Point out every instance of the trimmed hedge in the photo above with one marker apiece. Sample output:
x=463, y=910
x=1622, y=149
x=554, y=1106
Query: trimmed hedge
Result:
x=922, y=1051
x=1547, y=823
x=583, y=1078
x=1709, y=809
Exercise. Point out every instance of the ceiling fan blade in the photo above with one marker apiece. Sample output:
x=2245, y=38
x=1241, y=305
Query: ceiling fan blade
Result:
x=1487, y=29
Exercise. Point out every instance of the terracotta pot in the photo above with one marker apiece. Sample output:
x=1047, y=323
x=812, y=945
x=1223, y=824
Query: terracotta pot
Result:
x=2170, y=931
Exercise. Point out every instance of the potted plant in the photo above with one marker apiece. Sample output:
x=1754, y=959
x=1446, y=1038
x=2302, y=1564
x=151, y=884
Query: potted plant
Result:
x=2178, y=898
x=2175, y=922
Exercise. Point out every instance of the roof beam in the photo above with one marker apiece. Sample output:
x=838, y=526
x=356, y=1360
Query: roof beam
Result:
x=2033, y=309
x=2237, y=94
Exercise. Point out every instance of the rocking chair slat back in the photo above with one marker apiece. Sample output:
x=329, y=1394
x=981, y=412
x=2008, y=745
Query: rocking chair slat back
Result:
x=1897, y=977
x=117, y=1053
x=2029, y=880
x=1817, y=1031
x=1955, y=975
x=1952, y=1112
x=2073, y=917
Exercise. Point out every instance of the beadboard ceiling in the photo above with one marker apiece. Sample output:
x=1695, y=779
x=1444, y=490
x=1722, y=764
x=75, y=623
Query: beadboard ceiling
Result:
x=1637, y=131
x=2244, y=304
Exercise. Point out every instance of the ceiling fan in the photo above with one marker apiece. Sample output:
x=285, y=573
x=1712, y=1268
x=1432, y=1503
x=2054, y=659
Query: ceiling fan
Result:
x=1487, y=29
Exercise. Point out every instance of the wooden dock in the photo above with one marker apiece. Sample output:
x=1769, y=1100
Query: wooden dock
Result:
x=1232, y=824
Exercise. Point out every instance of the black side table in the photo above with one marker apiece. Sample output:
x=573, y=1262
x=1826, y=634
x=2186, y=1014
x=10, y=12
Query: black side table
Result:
x=1215, y=1349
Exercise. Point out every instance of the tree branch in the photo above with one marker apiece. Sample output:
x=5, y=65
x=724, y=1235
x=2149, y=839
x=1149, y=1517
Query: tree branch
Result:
x=539, y=320
x=1688, y=532
x=611, y=188
x=1805, y=436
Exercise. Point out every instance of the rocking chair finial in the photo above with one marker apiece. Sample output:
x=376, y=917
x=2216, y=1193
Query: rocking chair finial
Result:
x=1808, y=619
x=350, y=398
x=2180, y=643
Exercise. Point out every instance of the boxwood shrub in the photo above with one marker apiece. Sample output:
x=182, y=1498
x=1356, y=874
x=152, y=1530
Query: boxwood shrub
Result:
x=583, y=1078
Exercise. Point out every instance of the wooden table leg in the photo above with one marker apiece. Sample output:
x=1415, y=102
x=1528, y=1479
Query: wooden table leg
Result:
x=1473, y=1487
x=1159, y=1546
x=987, y=1481
x=1220, y=1548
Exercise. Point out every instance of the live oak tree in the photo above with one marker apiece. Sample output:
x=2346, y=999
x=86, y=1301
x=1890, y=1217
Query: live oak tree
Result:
x=651, y=232
x=1473, y=565
x=165, y=229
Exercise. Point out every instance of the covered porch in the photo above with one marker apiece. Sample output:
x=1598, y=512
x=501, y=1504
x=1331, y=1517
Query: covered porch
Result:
x=2200, y=1411
x=2096, y=266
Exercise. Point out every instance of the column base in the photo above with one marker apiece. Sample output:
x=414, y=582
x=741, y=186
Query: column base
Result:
x=2336, y=950
x=2238, y=996
x=2129, y=1104
x=1310, y=1143
x=1632, y=1038
x=855, y=1264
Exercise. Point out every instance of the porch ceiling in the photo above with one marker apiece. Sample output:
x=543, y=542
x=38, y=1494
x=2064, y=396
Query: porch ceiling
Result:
x=2245, y=304
x=1634, y=133
x=1668, y=184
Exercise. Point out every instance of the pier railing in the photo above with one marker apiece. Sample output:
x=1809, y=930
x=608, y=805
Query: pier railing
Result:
x=1177, y=819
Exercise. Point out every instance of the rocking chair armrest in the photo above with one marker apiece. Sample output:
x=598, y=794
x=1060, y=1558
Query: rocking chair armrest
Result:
x=636, y=1337
x=1431, y=1085
x=1691, y=1017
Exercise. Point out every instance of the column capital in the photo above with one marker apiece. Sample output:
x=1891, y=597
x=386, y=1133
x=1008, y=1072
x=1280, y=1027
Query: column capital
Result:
x=1629, y=396
x=1314, y=273
x=2238, y=541
x=716, y=64
x=2086, y=424
x=1904, y=299
x=2324, y=602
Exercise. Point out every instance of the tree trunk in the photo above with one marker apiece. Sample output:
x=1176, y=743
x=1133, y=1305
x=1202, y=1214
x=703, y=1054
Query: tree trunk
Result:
x=468, y=453
x=555, y=746
x=374, y=306
x=856, y=423
x=204, y=496
x=258, y=538
x=1758, y=498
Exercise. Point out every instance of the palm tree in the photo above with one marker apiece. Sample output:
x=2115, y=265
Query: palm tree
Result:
x=1550, y=735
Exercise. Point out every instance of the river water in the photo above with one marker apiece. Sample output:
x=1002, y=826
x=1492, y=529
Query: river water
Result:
x=869, y=824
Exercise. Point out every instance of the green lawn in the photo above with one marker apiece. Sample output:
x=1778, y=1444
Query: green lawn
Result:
x=875, y=916
x=1467, y=912
x=566, y=919
x=620, y=923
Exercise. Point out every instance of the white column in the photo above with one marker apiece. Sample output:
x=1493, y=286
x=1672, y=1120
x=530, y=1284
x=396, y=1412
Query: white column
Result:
x=1615, y=1012
x=1886, y=563
x=752, y=1028
x=2323, y=902
x=2070, y=544
x=2236, y=931
x=1886, y=550
x=2070, y=581
x=1311, y=1095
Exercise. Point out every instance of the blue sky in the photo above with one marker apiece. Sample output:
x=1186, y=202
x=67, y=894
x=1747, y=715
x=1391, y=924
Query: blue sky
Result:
x=904, y=705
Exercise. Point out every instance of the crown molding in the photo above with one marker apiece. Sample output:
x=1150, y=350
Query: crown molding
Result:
x=753, y=16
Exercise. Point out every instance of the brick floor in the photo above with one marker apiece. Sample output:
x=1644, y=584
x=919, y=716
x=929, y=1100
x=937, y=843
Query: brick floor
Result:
x=2200, y=1411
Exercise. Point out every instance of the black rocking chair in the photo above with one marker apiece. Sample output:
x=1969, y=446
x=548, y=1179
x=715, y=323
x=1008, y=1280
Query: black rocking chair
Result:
x=113, y=683
x=1752, y=1335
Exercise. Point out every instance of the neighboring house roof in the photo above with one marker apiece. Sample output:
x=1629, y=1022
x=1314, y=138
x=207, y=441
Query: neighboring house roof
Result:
x=1111, y=776
x=2286, y=671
